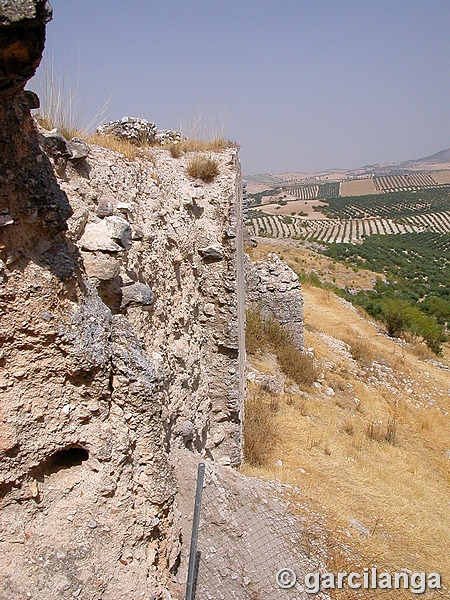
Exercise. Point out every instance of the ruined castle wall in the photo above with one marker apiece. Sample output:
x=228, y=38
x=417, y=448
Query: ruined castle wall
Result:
x=273, y=288
x=182, y=249
x=119, y=340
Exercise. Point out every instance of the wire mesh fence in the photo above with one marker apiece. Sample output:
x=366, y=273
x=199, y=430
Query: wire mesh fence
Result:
x=251, y=545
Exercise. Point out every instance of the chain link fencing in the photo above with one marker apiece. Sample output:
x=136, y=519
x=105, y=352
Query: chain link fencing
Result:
x=247, y=536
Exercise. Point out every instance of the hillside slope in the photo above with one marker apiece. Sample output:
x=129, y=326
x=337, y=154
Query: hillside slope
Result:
x=368, y=442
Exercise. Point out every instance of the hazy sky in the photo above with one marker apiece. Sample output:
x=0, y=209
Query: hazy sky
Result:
x=300, y=85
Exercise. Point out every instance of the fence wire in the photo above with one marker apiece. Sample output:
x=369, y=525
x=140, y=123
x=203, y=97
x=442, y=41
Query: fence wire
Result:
x=247, y=536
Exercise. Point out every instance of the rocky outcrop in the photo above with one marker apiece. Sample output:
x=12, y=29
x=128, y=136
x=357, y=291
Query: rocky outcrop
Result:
x=273, y=288
x=119, y=340
x=56, y=144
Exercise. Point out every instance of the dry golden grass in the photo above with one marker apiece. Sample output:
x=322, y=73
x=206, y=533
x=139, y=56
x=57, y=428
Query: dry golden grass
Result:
x=259, y=432
x=268, y=334
x=360, y=348
x=131, y=150
x=125, y=147
x=375, y=449
x=214, y=145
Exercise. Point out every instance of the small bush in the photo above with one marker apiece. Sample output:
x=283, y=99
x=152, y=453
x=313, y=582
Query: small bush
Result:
x=348, y=427
x=255, y=335
x=203, y=167
x=296, y=365
x=388, y=433
x=175, y=150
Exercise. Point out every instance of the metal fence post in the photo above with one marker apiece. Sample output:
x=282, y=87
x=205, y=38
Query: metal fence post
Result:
x=194, y=538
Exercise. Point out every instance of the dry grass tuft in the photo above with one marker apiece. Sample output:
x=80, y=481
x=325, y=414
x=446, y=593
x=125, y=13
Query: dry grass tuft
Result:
x=44, y=121
x=67, y=131
x=175, y=150
x=296, y=365
x=383, y=432
x=259, y=431
x=361, y=350
x=267, y=333
x=203, y=167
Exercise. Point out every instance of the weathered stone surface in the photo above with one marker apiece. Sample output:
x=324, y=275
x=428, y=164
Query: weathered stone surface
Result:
x=105, y=208
x=100, y=266
x=274, y=288
x=135, y=130
x=213, y=251
x=83, y=436
x=56, y=144
x=140, y=131
x=137, y=294
x=22, y=37
x=129, y=386
x=103, y=375
x=32, y=99
x=78, y=149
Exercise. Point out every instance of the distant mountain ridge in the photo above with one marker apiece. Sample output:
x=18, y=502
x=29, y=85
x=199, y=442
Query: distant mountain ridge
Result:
x=443, y=156
x=438, y=161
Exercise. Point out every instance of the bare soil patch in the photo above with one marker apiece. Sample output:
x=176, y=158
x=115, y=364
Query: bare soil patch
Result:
x=441, y=176
x=255, y=188
x=307, y=206
x=358, y=187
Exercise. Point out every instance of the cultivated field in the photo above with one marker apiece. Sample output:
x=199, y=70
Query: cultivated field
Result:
x=346, y=231
x=397, y=183
x=442, y=177
x=358, y=187
x=351, y=219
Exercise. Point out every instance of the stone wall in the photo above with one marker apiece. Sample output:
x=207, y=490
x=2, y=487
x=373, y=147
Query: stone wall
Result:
x=119, y=340
x=273, y=288
x=161, y=249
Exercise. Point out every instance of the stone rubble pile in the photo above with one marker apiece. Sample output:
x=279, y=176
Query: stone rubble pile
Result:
x=139, y=131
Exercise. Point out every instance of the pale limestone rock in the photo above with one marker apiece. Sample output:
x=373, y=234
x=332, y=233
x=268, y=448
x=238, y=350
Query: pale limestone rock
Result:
x=100, y=265
x=112, y=234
